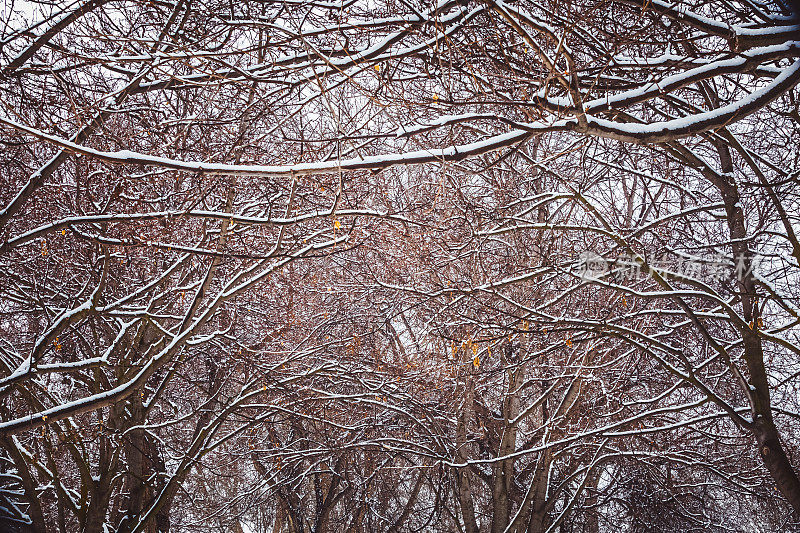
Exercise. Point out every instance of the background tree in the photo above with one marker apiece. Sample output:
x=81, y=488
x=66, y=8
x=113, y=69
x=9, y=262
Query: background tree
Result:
x=324, y=266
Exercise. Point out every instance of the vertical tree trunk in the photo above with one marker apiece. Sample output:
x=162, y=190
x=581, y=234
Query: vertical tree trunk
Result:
x=503, y=471
x=764, y=429
x=463, y=474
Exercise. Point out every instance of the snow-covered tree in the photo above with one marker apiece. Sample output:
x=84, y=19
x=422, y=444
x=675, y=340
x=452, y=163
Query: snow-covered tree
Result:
x=394, y=265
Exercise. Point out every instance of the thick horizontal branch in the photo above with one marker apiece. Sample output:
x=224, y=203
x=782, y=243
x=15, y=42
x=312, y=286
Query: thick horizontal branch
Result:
x=376, y=162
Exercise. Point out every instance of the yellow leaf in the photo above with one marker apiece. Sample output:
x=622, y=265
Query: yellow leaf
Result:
x=337, y=224
x=476, y=362
x=378, y=68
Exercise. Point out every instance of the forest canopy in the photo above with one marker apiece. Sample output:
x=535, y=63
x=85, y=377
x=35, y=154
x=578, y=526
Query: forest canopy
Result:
x=392, y=265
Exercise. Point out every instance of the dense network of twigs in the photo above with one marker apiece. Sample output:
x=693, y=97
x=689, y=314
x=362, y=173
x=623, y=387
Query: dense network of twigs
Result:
x=394, y=265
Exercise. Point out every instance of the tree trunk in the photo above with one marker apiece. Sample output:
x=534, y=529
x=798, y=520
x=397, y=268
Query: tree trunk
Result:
x=503, y=471
x=766, y=433
x=463, y=474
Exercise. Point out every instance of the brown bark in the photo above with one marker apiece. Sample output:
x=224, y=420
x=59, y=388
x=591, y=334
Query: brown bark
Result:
x=764, y=429
x=29, y=486
x=412, y=498
x=503, y=471
x=464, y=474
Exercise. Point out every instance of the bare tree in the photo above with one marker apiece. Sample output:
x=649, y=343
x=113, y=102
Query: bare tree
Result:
x=348, y=266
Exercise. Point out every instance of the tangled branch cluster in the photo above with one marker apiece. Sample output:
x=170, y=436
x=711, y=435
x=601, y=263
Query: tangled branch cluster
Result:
x=305, y=266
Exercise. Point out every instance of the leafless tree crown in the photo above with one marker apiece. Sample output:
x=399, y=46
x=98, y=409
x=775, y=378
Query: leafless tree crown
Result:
x=393, y=265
